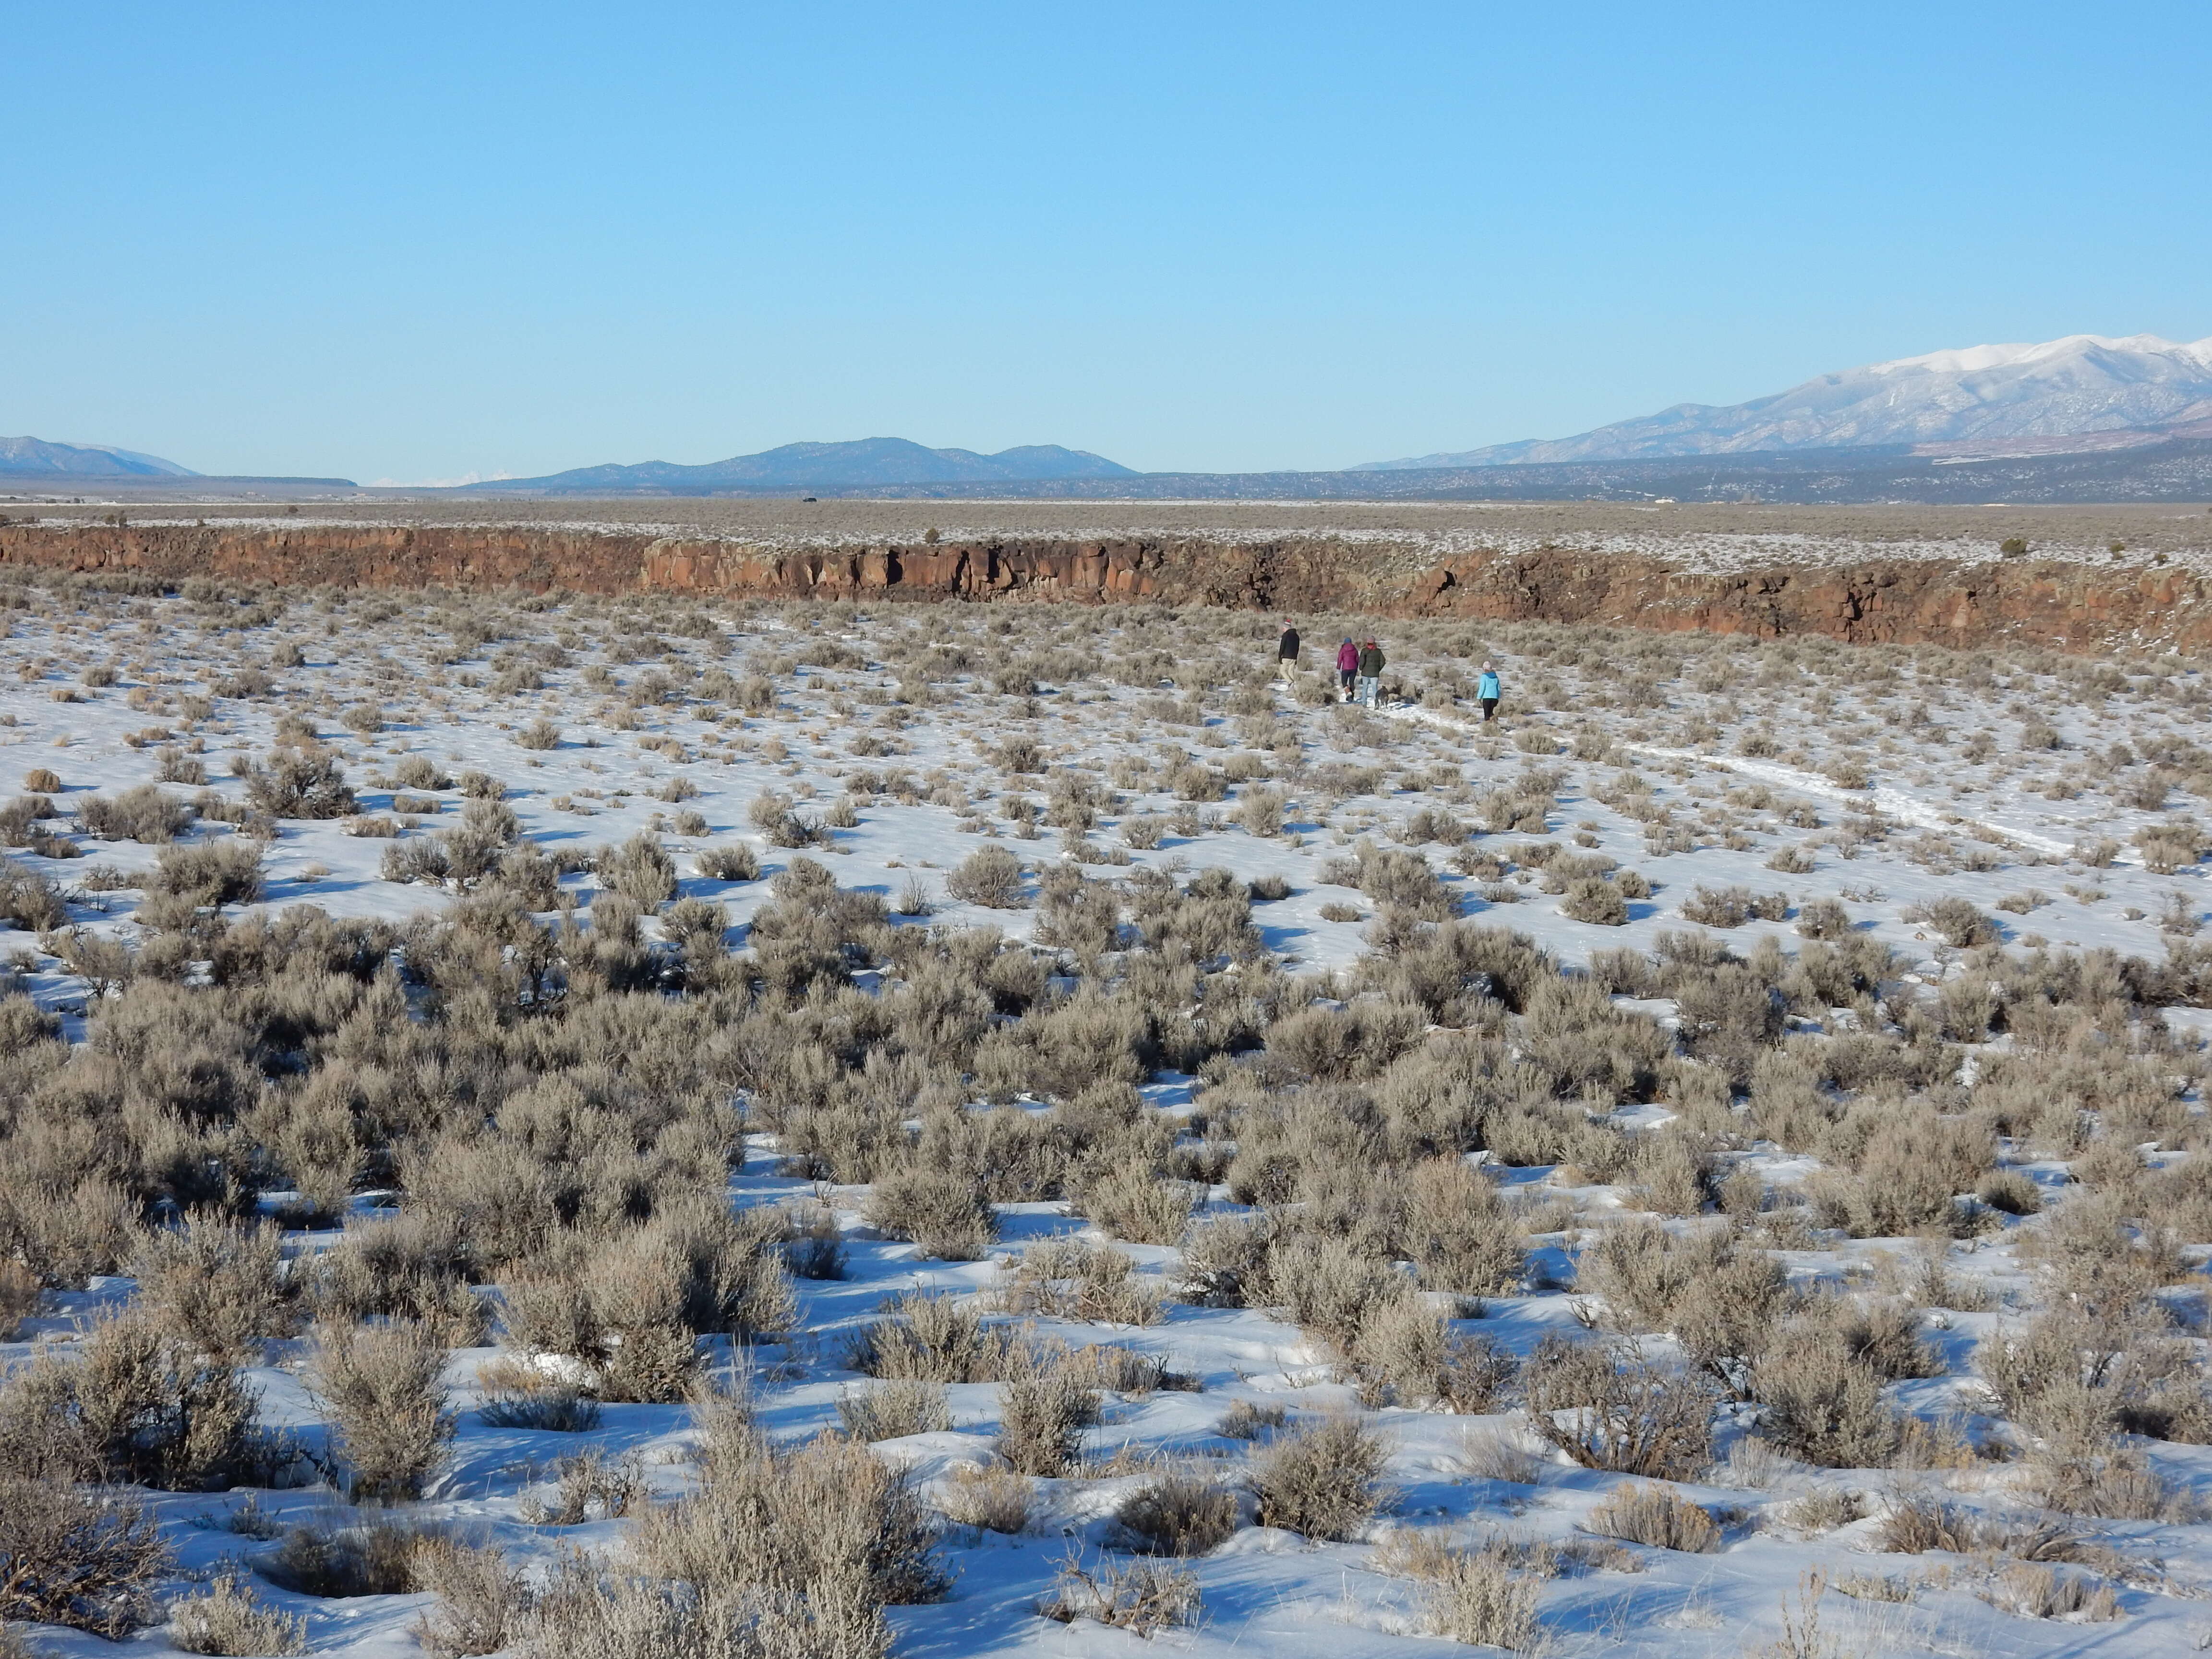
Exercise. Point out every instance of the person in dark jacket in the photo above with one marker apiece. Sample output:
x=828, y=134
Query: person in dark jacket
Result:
x=1487, y=693
x=1286, y=654
x=1371, y=664
x=1347, y=669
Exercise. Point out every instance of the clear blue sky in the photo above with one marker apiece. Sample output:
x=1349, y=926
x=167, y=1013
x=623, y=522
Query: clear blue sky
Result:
x=415, y=241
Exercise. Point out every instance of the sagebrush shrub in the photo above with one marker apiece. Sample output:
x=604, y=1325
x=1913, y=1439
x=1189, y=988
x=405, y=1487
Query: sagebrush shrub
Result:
x=88, y=1560
x=1178, y=1514
x=943, y=1214
x=1042, y=1417
x=730, y=861
x=993, y=1498
x=219, y=1283
x=990, y=877
x=893, y=1409
x=383, y=1387
x=828, y=1520
x=297, y=783
x=228, y=1617
x=1617, y=1410
x=142, y=813
x=1322, y=1480
x=482, y=1598
x=1133, y=1201
x=212, y=873
x=1654, y=1515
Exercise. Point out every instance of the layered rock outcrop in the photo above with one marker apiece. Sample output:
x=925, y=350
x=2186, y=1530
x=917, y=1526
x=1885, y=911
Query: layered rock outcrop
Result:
x=2067, y=606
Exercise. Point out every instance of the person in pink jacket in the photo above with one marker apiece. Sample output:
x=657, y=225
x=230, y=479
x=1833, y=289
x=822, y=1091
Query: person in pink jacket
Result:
x=1348, y=664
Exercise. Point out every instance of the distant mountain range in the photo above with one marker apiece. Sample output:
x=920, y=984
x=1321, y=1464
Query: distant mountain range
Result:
x=2084, y=384
x=36, y=458
x=857, y=464
x=2082, y=419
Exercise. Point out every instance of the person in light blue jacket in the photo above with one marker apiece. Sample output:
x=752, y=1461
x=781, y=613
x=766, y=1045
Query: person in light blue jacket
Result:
x=1487, y=693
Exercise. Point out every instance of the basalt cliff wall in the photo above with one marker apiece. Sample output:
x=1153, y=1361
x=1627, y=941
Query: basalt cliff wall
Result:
x=2069, y=606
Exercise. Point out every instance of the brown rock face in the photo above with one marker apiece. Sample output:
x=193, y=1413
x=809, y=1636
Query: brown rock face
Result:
x=2072, y=607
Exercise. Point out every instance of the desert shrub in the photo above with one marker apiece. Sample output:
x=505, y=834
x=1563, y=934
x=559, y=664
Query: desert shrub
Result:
x=1654, y=1515
x=1143, y=831
x=1144, y=1597
x=212, y=874
x=1913, y=1523
x=1731, y=907
x=1596, y=901
x=1457, y=1231
x=1132, y=1201
x=943, y=1214
x=219, y=1283
x=932, y=1339
x=2111, y=1481
x=1960, y=925
x=1405, y=1353
x=2010, y=1191
x=540, y=734
x=141, y=814
x=1617, y=1410
x=297, y=783
x=1330, y=1286
x=419, y=772
x=828, y=1520
x=369, y=1558
x=774, y=817
x=1822, y=1510
x=178, y=767
x=19, y=1294
x=590, y=1480
x=1261, y=812
x=2027, y=1589
x=517, y=1396
x=640, y=870
x=990, y=877
x=993, y=1499
x=1042, y=1417
x=1823, y=1404
x=1474, y=1595
x=31, y=902
x=2167, y=849
x=65, y=1233
x=482, y=1598
x=733, y=861
x=1823, y=919
x=892, y=1410
x=1322, y=1480
x=228, y=1617
x=133, y=1403
x=1224, y=1263
x=88, y=1560
x=1177, y=1514
x=587, y=1613
x=1719, y=1301
x=383, y=1389
x=1245, y=1421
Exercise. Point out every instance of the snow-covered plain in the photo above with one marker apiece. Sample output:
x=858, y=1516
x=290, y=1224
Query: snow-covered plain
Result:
x=1886, y=781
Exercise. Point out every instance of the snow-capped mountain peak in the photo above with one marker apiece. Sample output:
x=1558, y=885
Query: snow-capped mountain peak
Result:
x=2083, y=383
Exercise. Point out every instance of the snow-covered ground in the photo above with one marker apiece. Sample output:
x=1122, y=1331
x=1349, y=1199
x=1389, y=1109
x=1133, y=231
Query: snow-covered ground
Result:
x=1887, y=781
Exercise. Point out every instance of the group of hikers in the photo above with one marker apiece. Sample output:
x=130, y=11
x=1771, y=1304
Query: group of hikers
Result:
x=1359, y=672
